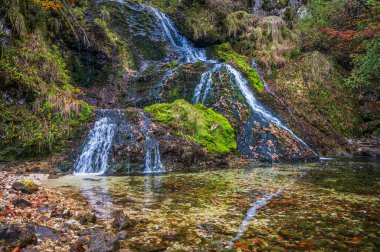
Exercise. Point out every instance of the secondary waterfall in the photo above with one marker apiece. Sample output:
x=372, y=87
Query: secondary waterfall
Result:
x=94, y=157
x=153, y=162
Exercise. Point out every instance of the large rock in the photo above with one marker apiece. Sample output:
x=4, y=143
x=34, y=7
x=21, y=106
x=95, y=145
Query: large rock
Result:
x=365, y=147
x=95, y=241
x=25, y=186
x=120, y=221
x=22, y=203
x=13, y=236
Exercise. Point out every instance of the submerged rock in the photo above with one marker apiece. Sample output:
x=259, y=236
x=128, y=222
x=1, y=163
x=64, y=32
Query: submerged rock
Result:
x=120, y=221
x=57, y=213
x=87, y=218
x=25, y=186
x=96, y=240
x=14, y=236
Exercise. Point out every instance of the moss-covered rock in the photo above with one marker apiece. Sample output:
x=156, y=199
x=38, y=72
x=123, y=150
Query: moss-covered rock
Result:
x=197, y=123
x=25, y=186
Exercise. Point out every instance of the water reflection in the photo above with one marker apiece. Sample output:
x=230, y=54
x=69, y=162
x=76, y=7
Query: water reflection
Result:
x=218, y=210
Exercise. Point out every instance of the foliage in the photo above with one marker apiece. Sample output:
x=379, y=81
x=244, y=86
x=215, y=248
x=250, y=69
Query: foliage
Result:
x=54, y=5
x=196, y=123
x=224, y=52
x=349, y=31
x=365, y=75
x=39, y=109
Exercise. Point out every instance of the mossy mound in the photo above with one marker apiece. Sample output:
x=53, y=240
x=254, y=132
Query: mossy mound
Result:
x=196, y=123
x=225, y=53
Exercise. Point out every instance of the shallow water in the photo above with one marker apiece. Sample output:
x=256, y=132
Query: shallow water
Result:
x=329, y=206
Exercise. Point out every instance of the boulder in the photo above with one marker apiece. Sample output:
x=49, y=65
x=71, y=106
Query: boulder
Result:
x=25, y=186
x=13, y=236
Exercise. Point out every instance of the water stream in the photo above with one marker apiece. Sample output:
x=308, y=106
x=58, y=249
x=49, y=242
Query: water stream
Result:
x=94, y=156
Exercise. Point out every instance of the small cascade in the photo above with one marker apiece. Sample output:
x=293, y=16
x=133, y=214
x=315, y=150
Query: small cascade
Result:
x=94, y=156
x=258, y=8
x=204, y=86
x=256, y=67
x=179, y=42
x=153, y=162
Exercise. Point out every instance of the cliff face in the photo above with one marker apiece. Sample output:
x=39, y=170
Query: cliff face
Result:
x=56, y=66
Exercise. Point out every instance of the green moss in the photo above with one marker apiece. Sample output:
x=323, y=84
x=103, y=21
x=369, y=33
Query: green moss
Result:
x=172, y=64
x=224, y=52
x=196, y=123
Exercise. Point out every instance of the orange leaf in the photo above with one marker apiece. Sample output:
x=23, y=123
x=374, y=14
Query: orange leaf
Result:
x=306, y=244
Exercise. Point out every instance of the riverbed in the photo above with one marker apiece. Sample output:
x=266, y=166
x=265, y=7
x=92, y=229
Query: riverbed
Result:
x=330, y=205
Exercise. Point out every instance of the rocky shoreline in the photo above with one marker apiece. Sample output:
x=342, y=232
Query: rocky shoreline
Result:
x=49, y=220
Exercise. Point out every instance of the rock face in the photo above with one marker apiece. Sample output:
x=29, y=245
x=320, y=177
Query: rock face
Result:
x=365, y=147
x=25, y=186
x=137, y=138
x=13, y=236
x=96, y=240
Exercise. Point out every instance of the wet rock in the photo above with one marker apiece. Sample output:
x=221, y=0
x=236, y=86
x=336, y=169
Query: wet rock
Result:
x=43, y=232
x=87, y=218
x=65, y=213
x=21, y=203
x=96, y=240
x=120, y=220
x=13, y=236
x=122, y=235
x=25, y=186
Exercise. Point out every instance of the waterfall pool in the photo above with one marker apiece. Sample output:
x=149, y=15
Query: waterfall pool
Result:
x=333, y=205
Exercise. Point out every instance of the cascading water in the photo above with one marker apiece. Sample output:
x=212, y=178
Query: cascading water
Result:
x=189, y=54
x=94, y=156
x=153, y=162
x=179, y=42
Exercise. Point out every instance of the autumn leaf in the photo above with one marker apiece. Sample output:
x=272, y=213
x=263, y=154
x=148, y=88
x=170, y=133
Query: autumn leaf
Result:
x=256, y=240
x=355, y=240
x=306, y=244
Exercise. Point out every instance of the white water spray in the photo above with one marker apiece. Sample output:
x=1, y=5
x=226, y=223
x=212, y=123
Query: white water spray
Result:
x=94, y=156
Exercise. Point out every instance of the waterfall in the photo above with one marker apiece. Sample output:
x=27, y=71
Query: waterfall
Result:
x=258, y=8
x=94, y=156
x=190, y=54
x=179, y=42
x=153, y=162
